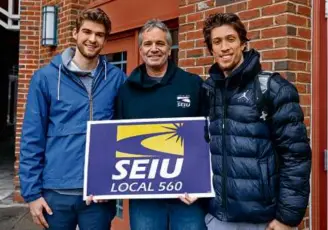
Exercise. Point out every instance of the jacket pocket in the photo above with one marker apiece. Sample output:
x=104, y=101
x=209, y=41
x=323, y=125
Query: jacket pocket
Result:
x=61, y=130
x=265, y=185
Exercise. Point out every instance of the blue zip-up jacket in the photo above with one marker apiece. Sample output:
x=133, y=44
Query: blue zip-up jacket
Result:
x=53, y=137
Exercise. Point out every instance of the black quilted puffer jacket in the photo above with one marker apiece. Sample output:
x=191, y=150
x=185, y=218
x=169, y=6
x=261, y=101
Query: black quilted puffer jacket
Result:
x=261, y=163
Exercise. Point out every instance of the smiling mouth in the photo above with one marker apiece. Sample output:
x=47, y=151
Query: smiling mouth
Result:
x=91, y=47
x=226, y=57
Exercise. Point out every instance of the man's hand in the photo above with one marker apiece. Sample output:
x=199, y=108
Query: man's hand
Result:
x=276, y=225
x=188, y=199
x=36, y=209
x=90, y=199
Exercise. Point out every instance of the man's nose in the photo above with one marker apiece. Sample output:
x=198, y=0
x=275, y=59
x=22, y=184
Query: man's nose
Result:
x=225, y=45
x=92, y=37
x=153, y=48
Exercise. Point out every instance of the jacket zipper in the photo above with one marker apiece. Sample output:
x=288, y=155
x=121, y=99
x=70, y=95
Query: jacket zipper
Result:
x=90, y=99
x=78, y=81
x=90, y=94
x=224, y=162
x=91, y=107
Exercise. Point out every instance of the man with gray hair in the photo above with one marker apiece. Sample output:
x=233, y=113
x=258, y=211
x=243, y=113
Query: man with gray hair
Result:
x=153, y=90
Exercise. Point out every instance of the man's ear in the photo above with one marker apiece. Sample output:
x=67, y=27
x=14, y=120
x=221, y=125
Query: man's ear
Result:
x=243, y=46
x=74, y=33
x=140, y=51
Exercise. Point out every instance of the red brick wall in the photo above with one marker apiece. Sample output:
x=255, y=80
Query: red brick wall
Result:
x=32, y=55
x=28, y=61
x=280, y=30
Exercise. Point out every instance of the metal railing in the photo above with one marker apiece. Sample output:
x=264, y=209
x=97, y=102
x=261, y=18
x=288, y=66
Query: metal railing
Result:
x=12, y=96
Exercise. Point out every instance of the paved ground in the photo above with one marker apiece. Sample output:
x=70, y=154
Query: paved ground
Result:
x=6, y=182
x=16, y=218
x=12, y=216
x=7, y=159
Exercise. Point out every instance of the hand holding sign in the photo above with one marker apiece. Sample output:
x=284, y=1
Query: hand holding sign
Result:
x=188, y=199
x=91, y=199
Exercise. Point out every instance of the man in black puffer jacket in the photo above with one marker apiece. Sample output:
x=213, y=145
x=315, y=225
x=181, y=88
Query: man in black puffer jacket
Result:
x=261, y=159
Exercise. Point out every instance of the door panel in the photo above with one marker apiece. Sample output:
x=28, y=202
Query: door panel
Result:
x=319, y=127
x=123, y=53
x=124, y=44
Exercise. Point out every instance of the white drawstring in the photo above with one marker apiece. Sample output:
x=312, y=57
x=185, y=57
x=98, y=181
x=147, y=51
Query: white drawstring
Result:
x=58, y=84
x=105, y=70
x=59, y=77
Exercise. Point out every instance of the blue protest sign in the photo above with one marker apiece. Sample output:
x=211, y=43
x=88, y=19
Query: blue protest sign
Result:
x=147, y=158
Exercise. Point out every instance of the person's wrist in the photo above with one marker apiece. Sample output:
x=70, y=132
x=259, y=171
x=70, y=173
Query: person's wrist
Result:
x=32, y=198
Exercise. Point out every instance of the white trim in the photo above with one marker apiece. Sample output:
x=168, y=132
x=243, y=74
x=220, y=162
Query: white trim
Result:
x=86, y=162
x=151, y=196
x=147, y=120
x=10, y=16
x=148, y=196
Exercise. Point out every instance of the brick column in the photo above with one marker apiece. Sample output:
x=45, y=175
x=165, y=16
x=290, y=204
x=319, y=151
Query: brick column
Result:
x=29, y=55
x=279, y=30
x=32, y=55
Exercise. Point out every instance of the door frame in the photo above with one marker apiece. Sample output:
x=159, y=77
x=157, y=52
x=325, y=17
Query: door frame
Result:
x=319, y=117
x=127, y=41
x=118, y=43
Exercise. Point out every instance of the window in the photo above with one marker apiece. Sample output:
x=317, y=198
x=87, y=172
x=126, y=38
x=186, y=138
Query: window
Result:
x=119, y=208
x=118, y=59
x=175, y=46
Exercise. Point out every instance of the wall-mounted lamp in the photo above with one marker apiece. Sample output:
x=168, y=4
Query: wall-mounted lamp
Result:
x=49, y=25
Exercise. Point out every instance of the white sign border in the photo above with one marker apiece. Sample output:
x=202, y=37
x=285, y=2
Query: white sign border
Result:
x=144, y=196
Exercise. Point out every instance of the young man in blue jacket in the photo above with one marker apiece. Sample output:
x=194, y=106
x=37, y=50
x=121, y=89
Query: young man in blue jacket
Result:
x=261, y=156
x=78, y=85
x=160, y=89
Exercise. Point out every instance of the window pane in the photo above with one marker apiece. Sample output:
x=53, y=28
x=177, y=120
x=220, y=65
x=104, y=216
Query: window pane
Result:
x=124, y=56
x=118, y=59
x=175, y=46
x=175, y=56
x=175, y=37
x=119, y=208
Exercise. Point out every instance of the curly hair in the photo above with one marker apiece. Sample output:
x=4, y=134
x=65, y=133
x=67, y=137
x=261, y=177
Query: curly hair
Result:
x=220, y=19
x=95, y=15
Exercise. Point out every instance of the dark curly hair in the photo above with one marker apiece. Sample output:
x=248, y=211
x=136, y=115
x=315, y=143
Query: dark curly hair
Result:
x=220, y=19
x=95, y=15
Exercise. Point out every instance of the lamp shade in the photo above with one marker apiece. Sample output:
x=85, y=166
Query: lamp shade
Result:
x=49, y=26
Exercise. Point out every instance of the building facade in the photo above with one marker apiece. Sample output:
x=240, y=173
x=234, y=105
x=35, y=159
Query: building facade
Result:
x=291, y=36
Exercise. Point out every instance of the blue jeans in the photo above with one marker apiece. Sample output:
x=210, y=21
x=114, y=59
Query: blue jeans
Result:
x=214, y=224
x=166, y=214
x=70, y=211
